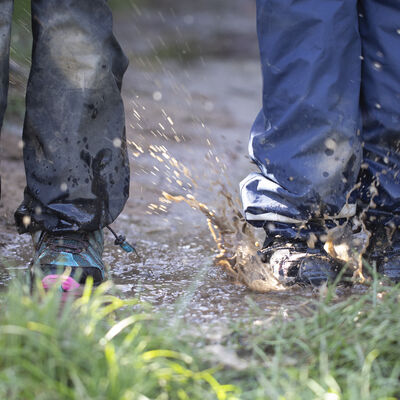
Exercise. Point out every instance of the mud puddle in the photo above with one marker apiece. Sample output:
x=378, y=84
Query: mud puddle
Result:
x=175, y=275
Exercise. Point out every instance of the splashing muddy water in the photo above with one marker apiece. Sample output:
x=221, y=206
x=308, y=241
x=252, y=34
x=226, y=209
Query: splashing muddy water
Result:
x=236, y=243
x=235, y=239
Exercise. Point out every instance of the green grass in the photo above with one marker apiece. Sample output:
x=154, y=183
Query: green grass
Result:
x=92, y=349
x=102, y=347
x=340, y=350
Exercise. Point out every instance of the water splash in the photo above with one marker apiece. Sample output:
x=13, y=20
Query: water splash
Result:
x=236, y=243
x=349, y=242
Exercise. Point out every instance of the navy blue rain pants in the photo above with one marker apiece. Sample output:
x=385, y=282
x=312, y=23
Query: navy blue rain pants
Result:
x=75, y=154
x=331, y=113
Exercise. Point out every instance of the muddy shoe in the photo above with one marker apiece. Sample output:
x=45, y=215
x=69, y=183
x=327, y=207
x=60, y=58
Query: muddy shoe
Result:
x=316, y=269
x=295, y=262
x=68, y=259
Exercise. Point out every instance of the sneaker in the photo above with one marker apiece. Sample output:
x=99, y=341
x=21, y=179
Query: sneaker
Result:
x=68, y=258
x=318, y=268
x=295, y=262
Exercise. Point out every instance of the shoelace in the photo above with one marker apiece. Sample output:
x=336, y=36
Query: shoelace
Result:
x=120, y=240
x=77, y=245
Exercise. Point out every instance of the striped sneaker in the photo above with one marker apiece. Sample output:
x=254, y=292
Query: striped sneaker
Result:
x=68, y=259
x=294, y=262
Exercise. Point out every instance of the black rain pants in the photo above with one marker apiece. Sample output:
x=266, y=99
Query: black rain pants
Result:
x=75, y=152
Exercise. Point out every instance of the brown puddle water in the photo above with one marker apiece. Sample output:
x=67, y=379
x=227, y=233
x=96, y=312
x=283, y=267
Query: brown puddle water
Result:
x=177, y=275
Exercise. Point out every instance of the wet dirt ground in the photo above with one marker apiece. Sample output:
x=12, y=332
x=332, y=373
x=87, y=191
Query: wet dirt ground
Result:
x=191, y=93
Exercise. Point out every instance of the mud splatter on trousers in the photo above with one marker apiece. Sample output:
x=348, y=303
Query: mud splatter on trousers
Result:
x=75, y=155
x=330, y=120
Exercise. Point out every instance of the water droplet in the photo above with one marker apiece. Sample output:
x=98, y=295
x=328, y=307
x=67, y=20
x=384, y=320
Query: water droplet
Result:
x=378, y=106
x=26, y=220
x=157, y=96
x=38, y=210
x=64, y=187
x=117, y=142
x=377, y=65
x=330, y=144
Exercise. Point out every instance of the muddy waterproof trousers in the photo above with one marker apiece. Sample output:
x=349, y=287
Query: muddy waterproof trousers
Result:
x=75, y=154
x=331, y=113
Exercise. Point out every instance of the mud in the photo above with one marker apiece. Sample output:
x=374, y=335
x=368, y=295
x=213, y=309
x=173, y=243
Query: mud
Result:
x=191, y=92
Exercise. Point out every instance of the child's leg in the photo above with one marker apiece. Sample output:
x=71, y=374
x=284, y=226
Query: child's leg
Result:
x=305, y=139
x=74, y=135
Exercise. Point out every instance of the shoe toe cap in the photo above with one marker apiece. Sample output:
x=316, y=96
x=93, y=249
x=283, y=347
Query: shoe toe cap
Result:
x=316, y=271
